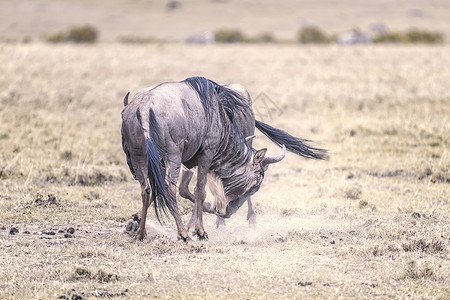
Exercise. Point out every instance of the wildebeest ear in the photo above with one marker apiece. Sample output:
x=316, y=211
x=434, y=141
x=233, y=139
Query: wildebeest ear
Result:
x=259, y=156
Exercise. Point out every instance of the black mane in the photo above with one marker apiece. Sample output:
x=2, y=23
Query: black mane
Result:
x=234, y=149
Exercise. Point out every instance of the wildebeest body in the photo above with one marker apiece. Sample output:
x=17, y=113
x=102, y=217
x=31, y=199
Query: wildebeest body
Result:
x=186, y=122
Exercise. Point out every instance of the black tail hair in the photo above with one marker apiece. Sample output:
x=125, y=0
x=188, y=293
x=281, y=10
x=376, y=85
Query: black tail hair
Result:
x=292, y=143
x=156, y=173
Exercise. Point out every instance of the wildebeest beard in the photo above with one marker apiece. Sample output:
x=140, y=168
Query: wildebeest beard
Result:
x=231, y=193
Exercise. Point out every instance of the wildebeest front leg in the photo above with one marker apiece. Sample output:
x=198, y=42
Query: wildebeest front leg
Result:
x=251, y=216
x=200, y=195
x=186, y=176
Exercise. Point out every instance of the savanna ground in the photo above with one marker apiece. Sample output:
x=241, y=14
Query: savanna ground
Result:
x=371, y=222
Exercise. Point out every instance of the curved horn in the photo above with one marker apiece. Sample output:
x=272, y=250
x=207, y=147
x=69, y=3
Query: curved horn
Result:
x=274, y=159
x=125, y=100
x=250, y=138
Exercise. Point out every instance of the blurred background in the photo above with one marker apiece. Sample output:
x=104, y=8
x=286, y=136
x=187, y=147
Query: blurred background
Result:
x=209, y=21
x=371, y=222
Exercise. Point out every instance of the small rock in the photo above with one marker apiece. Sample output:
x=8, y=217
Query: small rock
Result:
x=26, y=232
x=304, y=283
x=332, y=242
x=416, y=215
x=2, y=227
x=60, y=231
x=71, y=230
x=76, y=297
x=68, y=236
x=13, y=230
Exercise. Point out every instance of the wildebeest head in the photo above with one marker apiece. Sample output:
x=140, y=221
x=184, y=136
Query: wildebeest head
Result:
x=232, y=191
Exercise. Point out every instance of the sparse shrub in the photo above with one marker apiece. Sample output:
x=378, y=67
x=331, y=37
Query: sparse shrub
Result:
x=414, y=271
x=40, y=201
x=435, y=246
x=3, y=174
x=56, y=37
x=425, y=174
x=441, y=177
x=81, y=273
x=412, y=36
x=353, y=193
x=313, y=35
x=265, y=37
x=230, y=36
x=97, y=176
x=129, y=39
x=66, y=155
x=424, y=36
x=78, y=34
x=82, y=34
x=286, y=212
x=363, y=204
x=101, y=276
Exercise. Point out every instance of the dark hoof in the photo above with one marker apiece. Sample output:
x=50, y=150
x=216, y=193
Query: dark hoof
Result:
x=202, y=236
x=141, y=236
x=184, y=237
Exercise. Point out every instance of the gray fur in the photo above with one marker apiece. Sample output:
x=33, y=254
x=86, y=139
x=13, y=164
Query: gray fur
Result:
x=193, y=127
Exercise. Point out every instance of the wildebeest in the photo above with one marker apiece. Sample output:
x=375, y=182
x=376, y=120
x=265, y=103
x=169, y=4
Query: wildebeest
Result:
x=193, y=122
x=245, y=120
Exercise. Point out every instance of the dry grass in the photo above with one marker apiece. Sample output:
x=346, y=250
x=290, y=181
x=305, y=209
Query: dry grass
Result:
x=372, y=222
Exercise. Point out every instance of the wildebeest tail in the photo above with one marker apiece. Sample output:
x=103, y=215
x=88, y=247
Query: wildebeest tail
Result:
x=156, y=174
x=292, y=143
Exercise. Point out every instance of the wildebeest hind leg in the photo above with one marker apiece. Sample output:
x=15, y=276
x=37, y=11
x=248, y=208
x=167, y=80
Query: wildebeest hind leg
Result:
x=145, y=192
x=173, y=171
